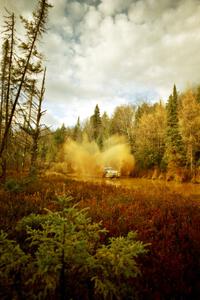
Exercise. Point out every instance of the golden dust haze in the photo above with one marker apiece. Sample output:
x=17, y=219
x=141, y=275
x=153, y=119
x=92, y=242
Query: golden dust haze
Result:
x=85, y=159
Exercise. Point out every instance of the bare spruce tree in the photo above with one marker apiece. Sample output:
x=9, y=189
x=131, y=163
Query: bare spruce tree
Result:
x=6, y=84
x=17, y=80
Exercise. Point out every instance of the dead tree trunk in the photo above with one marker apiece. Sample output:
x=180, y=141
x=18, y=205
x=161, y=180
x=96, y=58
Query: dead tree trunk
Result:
x=27, y=122
x=6, y=86
x=36, y=131
x=4, y=64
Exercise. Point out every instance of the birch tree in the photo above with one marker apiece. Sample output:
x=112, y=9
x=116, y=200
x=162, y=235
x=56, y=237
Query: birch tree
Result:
x=189, y=120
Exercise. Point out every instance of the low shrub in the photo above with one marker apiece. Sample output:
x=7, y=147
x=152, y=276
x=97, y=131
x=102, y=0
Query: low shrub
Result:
x=63, y=258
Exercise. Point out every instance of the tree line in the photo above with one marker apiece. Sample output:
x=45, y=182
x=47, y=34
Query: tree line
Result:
x=163, y=137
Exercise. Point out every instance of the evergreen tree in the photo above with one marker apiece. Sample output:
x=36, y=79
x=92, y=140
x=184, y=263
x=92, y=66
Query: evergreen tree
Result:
x=96, y=120
x=59, y=247
x=175, y=153
x=60, y=135
x=97, y=126
x=77, y=133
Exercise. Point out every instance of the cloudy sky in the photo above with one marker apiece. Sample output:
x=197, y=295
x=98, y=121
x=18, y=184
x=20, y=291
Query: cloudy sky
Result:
x=114, y=52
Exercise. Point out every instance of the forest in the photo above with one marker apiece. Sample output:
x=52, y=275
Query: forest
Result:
x=62, y=238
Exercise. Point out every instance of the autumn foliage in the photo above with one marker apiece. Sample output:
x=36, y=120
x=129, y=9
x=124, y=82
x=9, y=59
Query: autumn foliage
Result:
x=170, y=222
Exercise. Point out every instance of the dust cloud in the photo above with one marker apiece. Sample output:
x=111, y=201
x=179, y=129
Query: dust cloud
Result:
x=85, y=159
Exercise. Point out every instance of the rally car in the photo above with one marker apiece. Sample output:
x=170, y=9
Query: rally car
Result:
x=109, y=172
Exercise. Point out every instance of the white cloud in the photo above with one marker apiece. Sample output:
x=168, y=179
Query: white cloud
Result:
x=111, y=7
x=116, y=52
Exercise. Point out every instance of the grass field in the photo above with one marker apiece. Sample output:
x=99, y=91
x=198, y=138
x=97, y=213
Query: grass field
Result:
x=167, y=219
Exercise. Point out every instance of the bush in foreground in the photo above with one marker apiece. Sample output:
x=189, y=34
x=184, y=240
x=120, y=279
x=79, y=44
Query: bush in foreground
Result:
x=61, y=256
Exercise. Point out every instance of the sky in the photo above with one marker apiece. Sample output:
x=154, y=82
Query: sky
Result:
x=114, y=52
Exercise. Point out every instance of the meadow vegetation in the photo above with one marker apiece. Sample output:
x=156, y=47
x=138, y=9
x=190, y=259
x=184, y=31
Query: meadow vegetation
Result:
x=167, y=224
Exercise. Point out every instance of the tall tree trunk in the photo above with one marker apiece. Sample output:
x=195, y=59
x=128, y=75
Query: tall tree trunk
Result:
x=3, y=104
x=3, y=84
x=36, y=133
x=28, y=122
x=5, y=96
x=7, y=99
